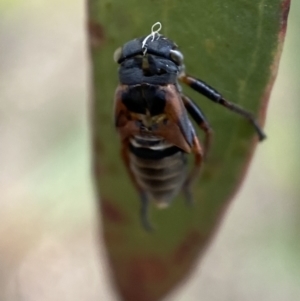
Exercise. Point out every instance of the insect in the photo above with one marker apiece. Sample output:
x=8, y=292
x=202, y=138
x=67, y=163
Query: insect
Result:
x=151, y=115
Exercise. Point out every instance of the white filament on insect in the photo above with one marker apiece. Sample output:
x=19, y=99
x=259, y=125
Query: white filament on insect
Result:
x=153, y=34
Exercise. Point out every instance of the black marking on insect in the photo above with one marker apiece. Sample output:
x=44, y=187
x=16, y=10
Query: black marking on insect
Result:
x=151, y=116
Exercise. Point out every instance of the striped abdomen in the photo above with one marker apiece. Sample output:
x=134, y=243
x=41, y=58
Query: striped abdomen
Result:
x=159, y=168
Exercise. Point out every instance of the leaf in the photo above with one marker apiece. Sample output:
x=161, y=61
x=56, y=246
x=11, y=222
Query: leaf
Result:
x=235, y=47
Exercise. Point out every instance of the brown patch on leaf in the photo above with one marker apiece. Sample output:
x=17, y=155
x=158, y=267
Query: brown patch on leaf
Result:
x=145, y=270
x=285, y=8
x=115, y=238
x=96, y=34
x=112, y=213
x=98, y=169
x=188, y=247
x=134, y=293
x=142, y=274
x=98, y=147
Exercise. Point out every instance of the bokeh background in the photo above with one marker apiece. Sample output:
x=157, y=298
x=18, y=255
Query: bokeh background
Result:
x=48, y=240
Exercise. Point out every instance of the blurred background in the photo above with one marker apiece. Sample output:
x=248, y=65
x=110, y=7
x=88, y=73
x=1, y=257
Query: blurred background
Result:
x=48, y=248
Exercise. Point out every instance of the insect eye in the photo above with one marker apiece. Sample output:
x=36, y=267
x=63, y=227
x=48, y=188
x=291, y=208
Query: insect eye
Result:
x=117, y=54
x=176, y=56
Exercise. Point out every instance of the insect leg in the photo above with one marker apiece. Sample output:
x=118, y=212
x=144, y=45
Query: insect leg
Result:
x=200, y=119
x=144, y=210
x=215, y=96
x=197, y=150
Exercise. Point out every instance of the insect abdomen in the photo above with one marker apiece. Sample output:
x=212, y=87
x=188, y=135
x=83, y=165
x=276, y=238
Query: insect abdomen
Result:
x=159, y=169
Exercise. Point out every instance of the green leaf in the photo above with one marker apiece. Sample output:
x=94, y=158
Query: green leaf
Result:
x=235, y=47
